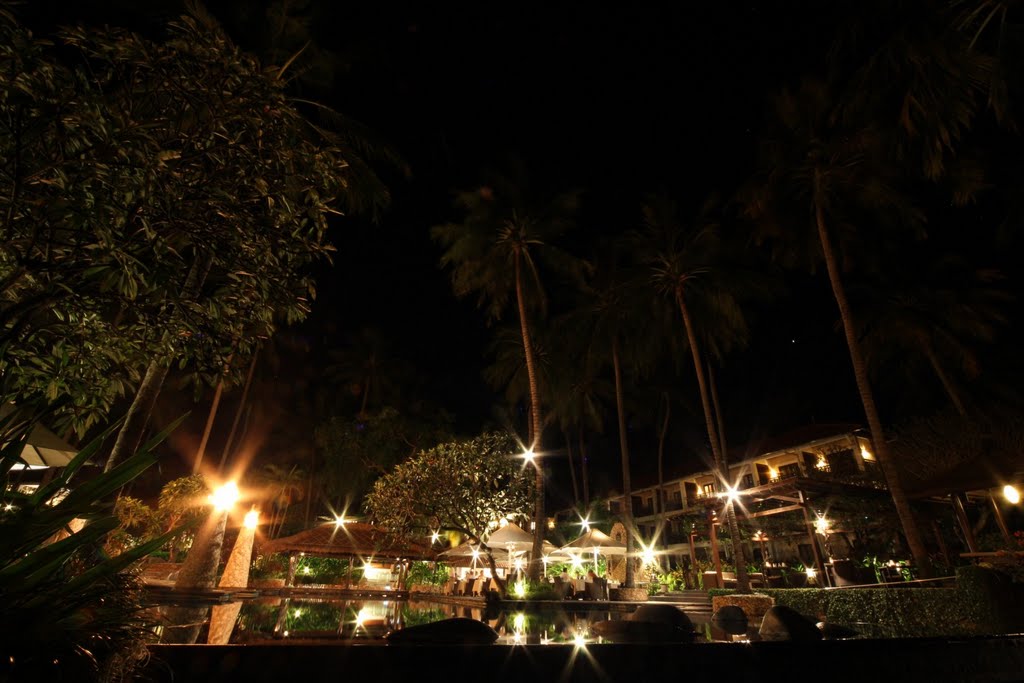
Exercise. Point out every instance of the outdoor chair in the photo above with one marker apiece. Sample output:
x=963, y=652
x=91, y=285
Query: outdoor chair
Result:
x=728, y=579
x=463, y=587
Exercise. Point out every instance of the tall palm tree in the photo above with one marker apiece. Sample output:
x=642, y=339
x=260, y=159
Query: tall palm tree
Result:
x=497, y=252
x=940, y=313
x=685, y=265
x=828, y=171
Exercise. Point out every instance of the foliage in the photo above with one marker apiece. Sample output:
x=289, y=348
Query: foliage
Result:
x=461, y=485
x=67, y=609
x=310, y=569
x=427, y=573
x=137, y=165
x=181, y=506
x=356, y=451
x=541, y=590
x=273, y=566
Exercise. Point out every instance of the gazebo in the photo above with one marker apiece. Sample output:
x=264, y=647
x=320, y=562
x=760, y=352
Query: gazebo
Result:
x=347, y=540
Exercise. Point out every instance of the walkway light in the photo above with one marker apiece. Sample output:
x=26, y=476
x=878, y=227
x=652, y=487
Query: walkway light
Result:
x=252, y=519
x=1011, y=494
x=224, y=497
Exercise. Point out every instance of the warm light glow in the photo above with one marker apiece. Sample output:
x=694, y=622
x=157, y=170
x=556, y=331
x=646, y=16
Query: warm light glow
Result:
x=519, y=621
x=811, y=572
x=551, y=524
x=362, y=615
x=252, y=519
x=8, y=507
x=435, y=537
x=821, y=464
x=773, y=473
x=339, y=520
x=760, y=536
x=476, y=554
x=865, y=454
x=730, y=495
x=297, y=613
x=579, y=640
x=647, y=554
x=822, y=525
x=528, y=455
x=306, y=570
x=224, y=497
x=520, y=590
x=577, y=563
x=518, y=564
x=585, y=524
x=1011, y=494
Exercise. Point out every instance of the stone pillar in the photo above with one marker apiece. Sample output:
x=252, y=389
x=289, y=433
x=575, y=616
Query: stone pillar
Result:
x=198, y=571
x=236, y=575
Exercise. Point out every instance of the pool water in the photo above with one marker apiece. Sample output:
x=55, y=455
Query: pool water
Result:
x=369, y=621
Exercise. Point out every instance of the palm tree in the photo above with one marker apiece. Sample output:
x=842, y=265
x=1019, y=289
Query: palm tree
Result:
x=831, y=172
x=497, y=253
x=940, y=314
x=281, y=487
x=685, y=265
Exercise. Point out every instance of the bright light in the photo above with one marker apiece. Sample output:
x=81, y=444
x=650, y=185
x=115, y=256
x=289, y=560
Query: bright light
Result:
x=252, y=519
x=821, y=464
x=773, y=473
x=730, y=495
x=551, y=524
x=518, y=564
x=528, y=455
x=585, y=524
x=811, y=572
x=647, y=554
x=435, y=537
x=865, y=454
x=579, y=640
x=476, y=554
x=297, y=613
x=577, y=563
x=8, y=507
x=339, y=520
x=520, y=590
x=822, y=525
x=1011, y=494
x=519, y=621
x=362, y=615
x=306, y=570
x=224, y=497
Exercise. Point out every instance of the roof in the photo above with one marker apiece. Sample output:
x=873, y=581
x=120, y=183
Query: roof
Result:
x=993, y=469
x=352, y=539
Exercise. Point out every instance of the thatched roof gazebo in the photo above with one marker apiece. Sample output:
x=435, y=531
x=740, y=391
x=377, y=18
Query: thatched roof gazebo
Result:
x=348, y=540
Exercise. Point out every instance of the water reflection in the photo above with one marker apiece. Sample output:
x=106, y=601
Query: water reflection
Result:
x=369, y=621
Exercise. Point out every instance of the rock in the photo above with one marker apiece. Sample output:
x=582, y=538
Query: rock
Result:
x=832, y=631
x=731, y=619
x=648, y=624
x=784, y=623
x=459, y=630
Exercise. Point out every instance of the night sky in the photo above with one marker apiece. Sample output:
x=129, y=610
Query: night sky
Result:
x=617, y=102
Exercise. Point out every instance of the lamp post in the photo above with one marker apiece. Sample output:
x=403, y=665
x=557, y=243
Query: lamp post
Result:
x=200, y=567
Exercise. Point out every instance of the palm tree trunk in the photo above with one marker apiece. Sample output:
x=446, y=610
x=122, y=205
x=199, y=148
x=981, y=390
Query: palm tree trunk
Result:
x=627, y=484
x=211, y=416
x=947, y=383
x=738, y=547
x=584, y=475
x=660, y=498
x=536, y=426
x=742, y=581
x=572, y=469
x=885, y=459
x=130, y=435
x=238, y=413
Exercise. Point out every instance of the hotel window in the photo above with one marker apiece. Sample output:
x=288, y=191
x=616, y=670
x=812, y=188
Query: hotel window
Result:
x=708, y=490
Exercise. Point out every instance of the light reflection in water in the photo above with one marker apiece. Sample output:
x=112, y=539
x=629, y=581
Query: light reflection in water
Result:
x=372, y=620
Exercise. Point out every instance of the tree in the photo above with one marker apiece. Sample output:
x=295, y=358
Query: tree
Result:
x=280, y=487
x=465, y=486
x=496, y=253
x=686, y=265
x=834, y=174
x=165, y=201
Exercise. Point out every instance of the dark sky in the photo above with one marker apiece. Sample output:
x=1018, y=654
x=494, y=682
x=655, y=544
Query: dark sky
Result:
x=617, y=101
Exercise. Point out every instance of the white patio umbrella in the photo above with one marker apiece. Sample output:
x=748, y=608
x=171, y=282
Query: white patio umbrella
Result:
x=597, y=542
x=472, y=551
x=43, y=448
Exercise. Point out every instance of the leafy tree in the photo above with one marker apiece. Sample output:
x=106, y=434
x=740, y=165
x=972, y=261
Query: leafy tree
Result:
x=464, y=486
x=279, y=486
x=163, y=203
x=496, y=252
x=355, y=452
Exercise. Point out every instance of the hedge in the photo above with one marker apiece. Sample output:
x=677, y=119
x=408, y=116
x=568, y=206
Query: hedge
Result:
x=983, y=602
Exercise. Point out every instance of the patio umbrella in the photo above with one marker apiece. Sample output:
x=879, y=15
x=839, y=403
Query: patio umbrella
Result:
x=43, y=448
x=472, y=553
x=511, y=537
x=597, y=542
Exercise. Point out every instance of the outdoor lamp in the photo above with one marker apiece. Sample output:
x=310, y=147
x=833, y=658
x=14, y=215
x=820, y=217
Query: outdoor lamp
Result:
x=252, y=519
x=1011, y=494
x=224, y=497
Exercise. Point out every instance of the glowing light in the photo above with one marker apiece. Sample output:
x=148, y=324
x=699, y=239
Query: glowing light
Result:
x=476, y=554
x=585, y=524
x=8, y=507
x=1011, y=494
x=760, y=536
x=518, y=564
x=811, y=572
x=286, y=634
x=551, y=524
x=520, y=590
x=339, y=520
x=648, y=554
x=252, y=519
x=519, y=622
x=306, y=570
x=822, y=525
x=528, y=455
x=866, y=454
x=579, y=640
x=361, y=616
x=224, y=497
x=297, y=613
x=773, y=473
x=435, y=537
x=821, y=463
x=577, y=563
x=730, y=495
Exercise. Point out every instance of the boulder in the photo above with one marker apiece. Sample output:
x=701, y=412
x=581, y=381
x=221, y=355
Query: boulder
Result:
x=648, y=624
x=731, y=619
x=785, y=623
x=459, y=630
